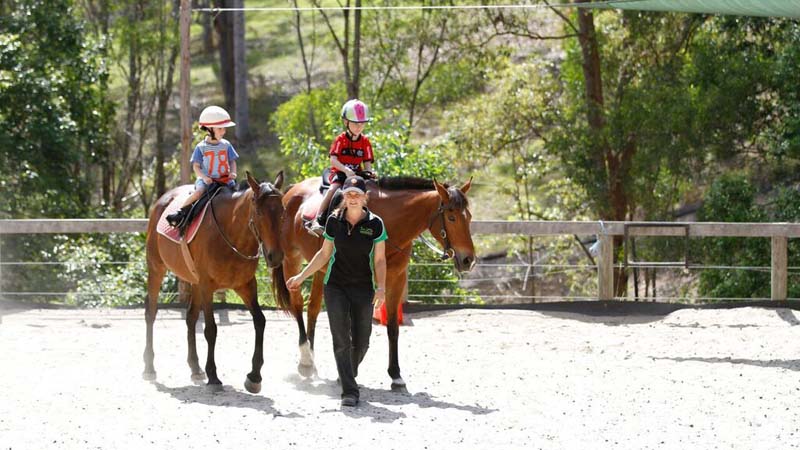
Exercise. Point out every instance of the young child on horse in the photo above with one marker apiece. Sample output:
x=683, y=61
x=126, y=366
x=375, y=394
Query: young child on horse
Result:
x=348, y=152
x=213, y=159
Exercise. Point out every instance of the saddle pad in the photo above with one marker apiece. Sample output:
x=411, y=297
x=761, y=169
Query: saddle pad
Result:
x=172, y=233
x=310, y=206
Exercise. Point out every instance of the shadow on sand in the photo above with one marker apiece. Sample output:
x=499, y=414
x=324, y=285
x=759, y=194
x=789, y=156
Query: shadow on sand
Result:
x=773, y=363
x=228, y=397
x=372, y=399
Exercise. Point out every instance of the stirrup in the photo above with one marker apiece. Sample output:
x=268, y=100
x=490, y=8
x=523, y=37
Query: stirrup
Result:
x=314, y=228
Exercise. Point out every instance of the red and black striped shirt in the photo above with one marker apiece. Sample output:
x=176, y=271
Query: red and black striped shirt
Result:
x=351, y=153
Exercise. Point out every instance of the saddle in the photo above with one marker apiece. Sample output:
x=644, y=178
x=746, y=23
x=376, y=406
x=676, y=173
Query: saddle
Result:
x=199, y=206
x=188, y=227
x=311, y=205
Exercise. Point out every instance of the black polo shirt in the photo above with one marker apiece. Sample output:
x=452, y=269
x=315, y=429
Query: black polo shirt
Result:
x=353, y=247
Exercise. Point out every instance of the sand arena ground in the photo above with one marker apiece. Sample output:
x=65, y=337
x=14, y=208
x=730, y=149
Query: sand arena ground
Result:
x=499, y=379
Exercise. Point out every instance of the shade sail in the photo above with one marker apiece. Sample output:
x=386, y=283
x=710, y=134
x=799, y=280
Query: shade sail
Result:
x=763, y=8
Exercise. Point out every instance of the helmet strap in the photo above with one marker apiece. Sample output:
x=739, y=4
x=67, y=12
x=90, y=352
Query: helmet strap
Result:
x=210, y=131
x=347, y=130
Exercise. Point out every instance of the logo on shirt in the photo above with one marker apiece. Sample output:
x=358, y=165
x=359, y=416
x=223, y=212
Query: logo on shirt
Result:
x=365, y=231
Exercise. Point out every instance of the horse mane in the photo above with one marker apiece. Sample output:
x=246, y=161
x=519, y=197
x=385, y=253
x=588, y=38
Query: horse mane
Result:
x=457, y=198
x=405, y=183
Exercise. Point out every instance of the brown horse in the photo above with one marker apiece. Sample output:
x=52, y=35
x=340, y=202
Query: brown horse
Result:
x=408, y=207
x=234, y=231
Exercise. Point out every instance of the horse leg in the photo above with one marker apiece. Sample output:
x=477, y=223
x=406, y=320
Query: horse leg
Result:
x=249, y=295
x=291, y=266
x=394, y=295
x=155, y=275
x=314, y=305
x=203, y=297
x=192, y=313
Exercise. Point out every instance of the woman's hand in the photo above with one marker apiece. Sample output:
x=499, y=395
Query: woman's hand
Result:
x=294, y=283
x=380, y=297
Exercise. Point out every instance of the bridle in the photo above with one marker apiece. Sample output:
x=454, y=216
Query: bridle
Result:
x=448, y=251
x=250, y=224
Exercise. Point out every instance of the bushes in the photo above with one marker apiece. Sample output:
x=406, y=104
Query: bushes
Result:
x=732, y=198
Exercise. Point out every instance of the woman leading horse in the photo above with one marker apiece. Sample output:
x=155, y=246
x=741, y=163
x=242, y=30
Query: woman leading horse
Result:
x=408, y=207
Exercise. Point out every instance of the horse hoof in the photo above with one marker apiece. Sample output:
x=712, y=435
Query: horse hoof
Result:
x=214, y=388
x=398, y=384
x=253, y=388
x=306, y=370
x=199, y=376
x=149, y=376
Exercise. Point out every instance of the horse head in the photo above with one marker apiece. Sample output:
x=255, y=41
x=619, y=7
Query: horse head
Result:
x=450, y=225
x=267, y=216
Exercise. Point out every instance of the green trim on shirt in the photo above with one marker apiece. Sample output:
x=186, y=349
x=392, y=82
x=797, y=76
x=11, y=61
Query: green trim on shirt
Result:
x=330, y=265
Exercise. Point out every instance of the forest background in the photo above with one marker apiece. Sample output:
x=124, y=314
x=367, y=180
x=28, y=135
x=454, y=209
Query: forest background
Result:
x=557, y=113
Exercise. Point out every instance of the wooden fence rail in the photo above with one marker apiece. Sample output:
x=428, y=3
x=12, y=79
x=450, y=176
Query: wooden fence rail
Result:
x=778, y=232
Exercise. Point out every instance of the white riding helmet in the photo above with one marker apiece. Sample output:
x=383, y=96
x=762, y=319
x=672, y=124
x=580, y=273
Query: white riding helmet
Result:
x=355, y=111
x=214, y=116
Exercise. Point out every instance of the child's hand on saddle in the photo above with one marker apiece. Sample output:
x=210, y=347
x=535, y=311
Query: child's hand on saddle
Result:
x=370, y=174
x=349, y=172
x=232, y=175
x=207, y=181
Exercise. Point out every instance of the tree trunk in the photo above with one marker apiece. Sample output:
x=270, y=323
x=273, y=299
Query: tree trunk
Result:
x=614, y=199
x=242, y=110
x=307, y=68
x=355, y=80
x=208, y=29
x=223, y=25
x=164, y=94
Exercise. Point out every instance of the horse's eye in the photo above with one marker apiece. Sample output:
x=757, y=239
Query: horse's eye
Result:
x=451, y=218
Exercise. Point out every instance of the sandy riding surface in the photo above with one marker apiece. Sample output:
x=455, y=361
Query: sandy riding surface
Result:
x=476, y=379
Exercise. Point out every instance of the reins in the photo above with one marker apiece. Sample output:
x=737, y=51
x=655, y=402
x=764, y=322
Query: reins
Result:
x=448, y=251
x=250, y=224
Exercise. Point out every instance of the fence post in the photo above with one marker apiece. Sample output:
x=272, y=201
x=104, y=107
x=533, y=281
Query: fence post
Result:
x=779, y=267
x=605, y=268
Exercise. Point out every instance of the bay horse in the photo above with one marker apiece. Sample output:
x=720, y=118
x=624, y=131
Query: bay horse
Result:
x=237, y=228
x=408, y=207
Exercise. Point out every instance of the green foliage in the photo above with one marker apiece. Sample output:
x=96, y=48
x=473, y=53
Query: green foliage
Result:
x=55, y=116
x=307, y=148
x=434, y=281
x=731, y=198
x=102, y=270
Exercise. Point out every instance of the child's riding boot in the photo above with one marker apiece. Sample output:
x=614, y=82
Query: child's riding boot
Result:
x=317, y=226
x=177, y=217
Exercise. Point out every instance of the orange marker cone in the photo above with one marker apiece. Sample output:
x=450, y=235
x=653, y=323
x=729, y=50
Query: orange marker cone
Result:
x=381, y=316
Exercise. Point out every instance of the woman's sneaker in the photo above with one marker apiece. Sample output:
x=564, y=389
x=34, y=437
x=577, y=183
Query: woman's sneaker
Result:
x=349, y=400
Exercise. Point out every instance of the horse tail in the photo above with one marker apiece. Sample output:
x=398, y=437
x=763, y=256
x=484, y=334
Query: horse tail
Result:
x=279, y=290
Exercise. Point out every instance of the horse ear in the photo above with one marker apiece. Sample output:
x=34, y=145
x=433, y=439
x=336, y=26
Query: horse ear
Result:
x=254, y=184
x=278, y=180
x=442, y=192
x=466, y=186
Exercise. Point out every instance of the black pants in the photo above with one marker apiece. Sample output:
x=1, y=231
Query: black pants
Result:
x=350, y=317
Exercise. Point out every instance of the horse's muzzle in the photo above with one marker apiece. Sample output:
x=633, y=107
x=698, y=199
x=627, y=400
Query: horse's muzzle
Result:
x=464, y=263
